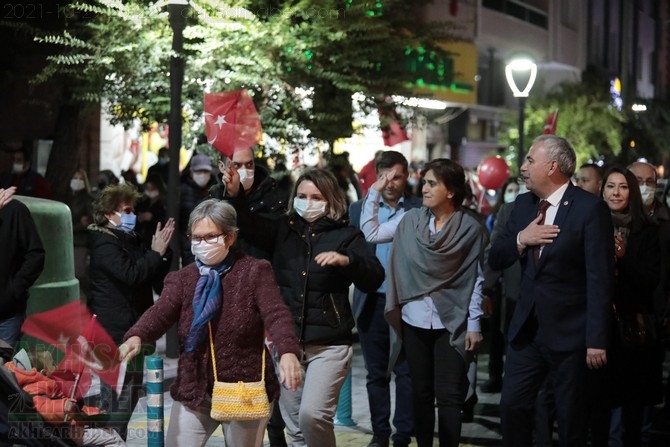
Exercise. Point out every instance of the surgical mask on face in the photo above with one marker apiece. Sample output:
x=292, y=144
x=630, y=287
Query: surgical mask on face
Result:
x=210, y=254
x=246, y=178
x=77, y=184
x=201, y=179
x=127, y=222
x=522, y=188
x=310, y=210
x=647, y=195
x=152, y=194
x=509, y=197
x=17, y=168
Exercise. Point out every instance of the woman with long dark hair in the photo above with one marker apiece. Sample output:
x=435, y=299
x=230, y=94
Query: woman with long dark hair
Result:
x=636, y=372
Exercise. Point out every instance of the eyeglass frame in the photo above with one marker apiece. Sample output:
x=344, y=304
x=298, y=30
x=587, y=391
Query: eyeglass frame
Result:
x=209, y=239
x=647, y=182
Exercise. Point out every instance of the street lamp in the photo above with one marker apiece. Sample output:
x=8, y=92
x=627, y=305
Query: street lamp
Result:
x=177, y=12
x=522, y=69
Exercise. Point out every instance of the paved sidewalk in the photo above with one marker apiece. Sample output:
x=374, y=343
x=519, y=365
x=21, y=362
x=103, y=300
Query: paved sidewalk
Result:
x=483, y=431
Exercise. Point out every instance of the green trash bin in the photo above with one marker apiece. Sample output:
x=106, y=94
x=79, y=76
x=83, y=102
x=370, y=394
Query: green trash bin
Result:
x=57, y=284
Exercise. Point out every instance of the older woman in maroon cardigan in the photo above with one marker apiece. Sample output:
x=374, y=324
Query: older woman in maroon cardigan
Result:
x=238, y=296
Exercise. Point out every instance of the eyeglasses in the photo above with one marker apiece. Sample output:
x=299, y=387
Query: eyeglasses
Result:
x=647, y=182
x=209, y=239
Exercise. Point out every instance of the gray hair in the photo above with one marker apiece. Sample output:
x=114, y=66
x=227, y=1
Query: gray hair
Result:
x=559, y=149
x=221, y=213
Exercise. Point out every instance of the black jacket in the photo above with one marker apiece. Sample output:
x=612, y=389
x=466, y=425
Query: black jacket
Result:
x=267, y=199
x=317, y=296
x=121, y=274
x=190, y=195
x=21, y=258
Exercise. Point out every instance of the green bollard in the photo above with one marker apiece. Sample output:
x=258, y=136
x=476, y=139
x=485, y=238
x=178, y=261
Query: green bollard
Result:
x=56, y=285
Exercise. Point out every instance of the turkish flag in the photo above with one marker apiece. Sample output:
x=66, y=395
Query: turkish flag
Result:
x=392, y=132
x=551, y=123
x=231, y=121
x=88, y=347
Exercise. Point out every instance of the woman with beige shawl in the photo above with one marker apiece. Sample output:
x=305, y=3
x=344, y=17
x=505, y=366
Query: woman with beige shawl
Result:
x=432, y=272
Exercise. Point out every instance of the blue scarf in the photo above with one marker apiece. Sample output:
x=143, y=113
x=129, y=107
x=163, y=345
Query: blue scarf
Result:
x=206, y=300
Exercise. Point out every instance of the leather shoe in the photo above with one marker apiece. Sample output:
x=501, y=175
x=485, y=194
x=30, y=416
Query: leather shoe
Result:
x=469, y=409
x=379, y=441
x=401, y=443
x=491, y=386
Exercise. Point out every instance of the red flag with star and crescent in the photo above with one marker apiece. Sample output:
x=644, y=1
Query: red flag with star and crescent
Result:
x=231, y=121
x=551, y=123
x=87, y=346
x=392, y=131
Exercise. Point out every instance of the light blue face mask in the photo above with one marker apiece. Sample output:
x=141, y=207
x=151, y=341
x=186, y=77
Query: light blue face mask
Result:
x=127, y=223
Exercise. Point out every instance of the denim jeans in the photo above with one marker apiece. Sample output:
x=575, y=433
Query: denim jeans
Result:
x=10, y=329
x=374, y=335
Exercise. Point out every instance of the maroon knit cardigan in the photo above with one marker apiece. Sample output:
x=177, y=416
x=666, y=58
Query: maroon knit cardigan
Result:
x=251, y=304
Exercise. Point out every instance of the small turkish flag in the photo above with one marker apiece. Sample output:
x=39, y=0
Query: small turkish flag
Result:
x=231, y=121
x=392, y=131
x=551, y=123
x=87, y=346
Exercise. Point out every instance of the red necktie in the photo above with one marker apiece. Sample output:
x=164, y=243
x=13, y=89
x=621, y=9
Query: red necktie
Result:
x=541, y=211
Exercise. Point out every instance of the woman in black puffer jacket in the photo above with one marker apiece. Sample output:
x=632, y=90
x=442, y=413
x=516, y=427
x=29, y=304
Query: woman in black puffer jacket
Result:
x=316, y=257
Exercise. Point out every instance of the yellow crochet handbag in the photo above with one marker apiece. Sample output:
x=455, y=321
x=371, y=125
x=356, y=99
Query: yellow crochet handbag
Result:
x=241, y=401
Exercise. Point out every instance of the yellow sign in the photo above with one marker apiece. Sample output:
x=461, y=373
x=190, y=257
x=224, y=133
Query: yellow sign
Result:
x=450, y=78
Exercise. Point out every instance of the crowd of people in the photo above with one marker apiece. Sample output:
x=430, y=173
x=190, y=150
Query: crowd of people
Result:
x=567, y=279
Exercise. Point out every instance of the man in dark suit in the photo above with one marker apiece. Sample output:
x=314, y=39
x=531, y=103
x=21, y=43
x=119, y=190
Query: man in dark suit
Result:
x=561, y=322
x=388, y=194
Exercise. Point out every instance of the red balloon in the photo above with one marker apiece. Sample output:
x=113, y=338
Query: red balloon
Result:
x=493, y=172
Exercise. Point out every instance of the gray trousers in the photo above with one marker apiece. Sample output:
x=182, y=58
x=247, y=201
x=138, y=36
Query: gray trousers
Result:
x=188, y=428
x=309, y=411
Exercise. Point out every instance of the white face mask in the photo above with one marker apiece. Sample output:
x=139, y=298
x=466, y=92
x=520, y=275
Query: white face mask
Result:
x=647, y=195
x=210, y=254
x=310, y=210
x=77, y=184
x=17, y=168
x=246, y=178
x=509, y=197
x=151, y=194
x=201, y=178
x=522, y=188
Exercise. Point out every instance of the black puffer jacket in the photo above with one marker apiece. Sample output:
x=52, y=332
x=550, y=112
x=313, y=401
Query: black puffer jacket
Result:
x=317, y=296
x=267, y=199
x=121, y=273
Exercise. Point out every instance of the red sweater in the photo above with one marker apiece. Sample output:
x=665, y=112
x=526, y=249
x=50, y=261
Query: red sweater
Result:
x=251, y=305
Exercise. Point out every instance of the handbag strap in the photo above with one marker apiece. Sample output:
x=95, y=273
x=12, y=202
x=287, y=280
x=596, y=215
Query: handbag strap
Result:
x=211, y=346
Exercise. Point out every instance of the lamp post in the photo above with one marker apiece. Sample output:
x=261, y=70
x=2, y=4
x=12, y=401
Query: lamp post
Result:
x=526, y=69
x=177, y=10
